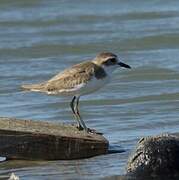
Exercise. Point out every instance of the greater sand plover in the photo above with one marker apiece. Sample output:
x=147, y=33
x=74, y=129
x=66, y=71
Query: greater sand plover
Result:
x=80, y=79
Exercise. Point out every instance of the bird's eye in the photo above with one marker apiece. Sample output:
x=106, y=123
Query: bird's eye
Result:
x=113, y=60
x=110, y=61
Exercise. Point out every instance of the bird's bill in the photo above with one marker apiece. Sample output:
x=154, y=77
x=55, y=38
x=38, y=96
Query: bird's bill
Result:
x=124, y=65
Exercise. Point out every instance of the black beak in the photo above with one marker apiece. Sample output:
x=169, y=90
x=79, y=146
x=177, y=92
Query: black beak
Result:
x=124, y=65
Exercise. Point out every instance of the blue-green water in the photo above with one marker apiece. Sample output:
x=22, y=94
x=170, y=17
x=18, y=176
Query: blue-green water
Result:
x=40, y=38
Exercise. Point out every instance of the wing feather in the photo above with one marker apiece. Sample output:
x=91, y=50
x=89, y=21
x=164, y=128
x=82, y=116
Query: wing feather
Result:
x=72, y=77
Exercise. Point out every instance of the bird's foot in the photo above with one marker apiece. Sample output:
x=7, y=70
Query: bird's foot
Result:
x=80, y=128
x=88, y=130
x=93, y=131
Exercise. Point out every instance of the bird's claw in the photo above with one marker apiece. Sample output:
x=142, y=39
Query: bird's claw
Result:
x=80, y=128
x=93, y=131
x=88, y=130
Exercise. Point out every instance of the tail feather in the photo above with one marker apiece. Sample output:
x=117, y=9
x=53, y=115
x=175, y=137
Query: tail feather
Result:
x=34, y=87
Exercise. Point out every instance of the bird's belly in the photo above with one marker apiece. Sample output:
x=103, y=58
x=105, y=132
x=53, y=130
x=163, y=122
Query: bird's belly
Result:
x=82, y=89
x=92, y=86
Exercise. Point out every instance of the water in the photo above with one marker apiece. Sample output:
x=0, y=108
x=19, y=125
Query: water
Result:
x=40, y=38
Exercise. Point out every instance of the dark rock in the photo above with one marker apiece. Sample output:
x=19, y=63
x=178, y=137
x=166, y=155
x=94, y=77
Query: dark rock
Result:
x=156, y=157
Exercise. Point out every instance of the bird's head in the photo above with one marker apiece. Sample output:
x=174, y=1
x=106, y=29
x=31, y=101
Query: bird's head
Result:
x=109, y=62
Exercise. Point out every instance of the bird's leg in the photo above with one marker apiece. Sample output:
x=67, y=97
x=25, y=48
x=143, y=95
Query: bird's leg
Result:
x=79, y=116
x=81, y=120
x=74, y=113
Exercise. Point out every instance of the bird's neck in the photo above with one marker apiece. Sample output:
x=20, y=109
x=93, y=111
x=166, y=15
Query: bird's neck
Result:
x=109, y=69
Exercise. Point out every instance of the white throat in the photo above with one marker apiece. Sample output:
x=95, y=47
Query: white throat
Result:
x=109, y=69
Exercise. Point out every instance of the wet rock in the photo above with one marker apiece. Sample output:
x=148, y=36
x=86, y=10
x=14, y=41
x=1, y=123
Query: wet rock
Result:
x=39, y=140
x=156, y=156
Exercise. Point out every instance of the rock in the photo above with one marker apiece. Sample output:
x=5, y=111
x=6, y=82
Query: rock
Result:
x=156, y=156
x=39, y=140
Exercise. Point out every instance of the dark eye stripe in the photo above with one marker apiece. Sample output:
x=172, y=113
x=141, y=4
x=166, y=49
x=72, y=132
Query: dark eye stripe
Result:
x=110, y=61
x=113, y=60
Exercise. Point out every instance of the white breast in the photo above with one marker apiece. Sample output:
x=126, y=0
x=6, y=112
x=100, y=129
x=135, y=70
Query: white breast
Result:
x=93, y=85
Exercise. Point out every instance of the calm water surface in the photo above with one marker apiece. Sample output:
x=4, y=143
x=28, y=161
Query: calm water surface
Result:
x=40, y=38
